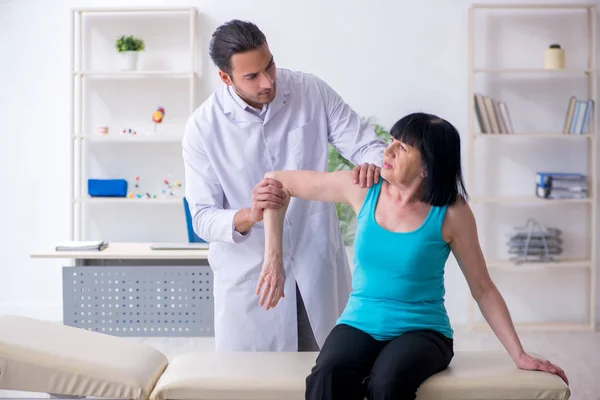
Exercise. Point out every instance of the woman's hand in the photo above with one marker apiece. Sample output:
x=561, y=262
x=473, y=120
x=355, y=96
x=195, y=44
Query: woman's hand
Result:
x=271, y=282
x=528, y=362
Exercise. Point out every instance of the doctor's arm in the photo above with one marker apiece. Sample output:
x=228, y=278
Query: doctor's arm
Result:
x=354, y=138
x=464, y=242
x=205, y=196
x=334, y=187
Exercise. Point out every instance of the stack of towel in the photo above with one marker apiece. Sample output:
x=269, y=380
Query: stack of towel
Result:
x=534, y=242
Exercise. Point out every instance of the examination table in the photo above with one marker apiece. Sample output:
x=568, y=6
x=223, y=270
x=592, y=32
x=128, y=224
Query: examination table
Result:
x=48, y=357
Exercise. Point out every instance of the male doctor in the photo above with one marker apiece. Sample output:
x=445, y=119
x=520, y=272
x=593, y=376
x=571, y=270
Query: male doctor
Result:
x=266, y=119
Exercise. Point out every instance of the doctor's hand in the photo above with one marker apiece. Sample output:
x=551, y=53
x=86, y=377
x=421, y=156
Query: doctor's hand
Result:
x=271, y=282
x=366, y=175
x=267, y=193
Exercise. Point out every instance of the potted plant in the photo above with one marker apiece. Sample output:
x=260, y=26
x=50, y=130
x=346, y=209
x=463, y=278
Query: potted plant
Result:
x=345, y=213
x=128, y=48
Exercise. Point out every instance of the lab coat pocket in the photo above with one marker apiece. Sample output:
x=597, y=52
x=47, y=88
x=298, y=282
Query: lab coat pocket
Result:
x=306, y=145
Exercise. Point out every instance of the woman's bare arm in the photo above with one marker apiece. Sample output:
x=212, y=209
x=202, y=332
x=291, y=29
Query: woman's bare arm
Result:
x=337, y=187
x=461, y=230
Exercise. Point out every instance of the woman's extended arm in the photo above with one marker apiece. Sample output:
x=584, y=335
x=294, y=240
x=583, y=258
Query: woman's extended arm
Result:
x=309, y=185
x=461, y=228
x=337, y=186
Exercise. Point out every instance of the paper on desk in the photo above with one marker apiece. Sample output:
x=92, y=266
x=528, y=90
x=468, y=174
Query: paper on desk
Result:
x=82, y=245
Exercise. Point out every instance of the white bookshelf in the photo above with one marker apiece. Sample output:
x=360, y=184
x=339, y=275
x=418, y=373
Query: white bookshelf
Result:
x=527, y=138
x=167, y=71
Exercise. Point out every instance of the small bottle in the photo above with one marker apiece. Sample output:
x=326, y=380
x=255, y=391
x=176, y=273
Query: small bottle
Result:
x=554, y=57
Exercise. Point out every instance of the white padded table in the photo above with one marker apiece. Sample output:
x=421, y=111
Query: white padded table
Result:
x=281, y=376
x=47, y=357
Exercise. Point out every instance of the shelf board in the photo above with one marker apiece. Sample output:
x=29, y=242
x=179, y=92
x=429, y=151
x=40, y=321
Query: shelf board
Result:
x=125, y=200
x=126, y=138
x=528, y=200
x=559, y=263
x=136, y=74
x=534, y=6
x=529, y=135
x=531, y=71
x=134, y=10
x=540, y=326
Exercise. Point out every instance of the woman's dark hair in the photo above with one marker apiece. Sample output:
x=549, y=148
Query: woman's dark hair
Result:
x=439, y=144
x=234, y=37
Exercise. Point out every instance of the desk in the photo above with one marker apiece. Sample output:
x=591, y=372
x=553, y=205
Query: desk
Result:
x=128, y=254
x=128, y=289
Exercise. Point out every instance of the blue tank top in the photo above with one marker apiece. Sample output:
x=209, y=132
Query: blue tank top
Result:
x=398, y=281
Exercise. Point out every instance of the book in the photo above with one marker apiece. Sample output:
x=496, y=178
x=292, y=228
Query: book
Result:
x=550, y=193
x=492, y=115
x=549, y=179
x=578, y=117
x=97, y=245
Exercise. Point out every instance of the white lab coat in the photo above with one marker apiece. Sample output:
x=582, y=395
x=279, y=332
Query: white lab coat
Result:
x=227, y=150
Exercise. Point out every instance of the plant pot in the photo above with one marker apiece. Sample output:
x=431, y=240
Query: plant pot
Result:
x=128, y=60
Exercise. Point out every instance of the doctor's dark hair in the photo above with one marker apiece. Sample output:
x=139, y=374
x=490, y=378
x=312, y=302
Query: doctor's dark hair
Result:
x=439, y=144
x=231, y=38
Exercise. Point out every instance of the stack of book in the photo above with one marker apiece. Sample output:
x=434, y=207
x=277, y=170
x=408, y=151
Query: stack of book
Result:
x=82, y=246
x=578, y=118
x=492, y=115
x=561, y=185
x=534, y=243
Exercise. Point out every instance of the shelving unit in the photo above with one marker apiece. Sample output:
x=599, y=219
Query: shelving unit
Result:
x=588, y=74
x=167, y=67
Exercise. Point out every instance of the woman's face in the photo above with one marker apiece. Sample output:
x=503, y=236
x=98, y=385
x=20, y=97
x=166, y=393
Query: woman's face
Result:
x=402, y=163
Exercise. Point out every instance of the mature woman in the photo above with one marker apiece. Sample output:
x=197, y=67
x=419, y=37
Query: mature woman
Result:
x=395, y=332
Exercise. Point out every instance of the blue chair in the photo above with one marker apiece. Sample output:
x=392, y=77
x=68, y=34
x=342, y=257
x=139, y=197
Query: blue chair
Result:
x=192, y=237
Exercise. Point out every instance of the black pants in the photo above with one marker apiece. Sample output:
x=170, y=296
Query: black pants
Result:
x=352, y=365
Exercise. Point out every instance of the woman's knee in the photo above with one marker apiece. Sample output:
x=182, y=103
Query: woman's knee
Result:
x=332, y=364
x=391, y=385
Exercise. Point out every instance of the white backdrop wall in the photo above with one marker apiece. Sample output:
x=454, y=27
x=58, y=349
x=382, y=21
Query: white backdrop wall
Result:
x=386, y=58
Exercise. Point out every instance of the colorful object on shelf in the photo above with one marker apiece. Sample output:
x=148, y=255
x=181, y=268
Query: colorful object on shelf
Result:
x=158, y=116
x=129, y=131
x=139, y=194
x=102, y=130
x=107, y=187
x=171, y=185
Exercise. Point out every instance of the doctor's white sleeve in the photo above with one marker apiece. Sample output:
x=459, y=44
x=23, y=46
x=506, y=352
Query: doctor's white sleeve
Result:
x=354, y=138
x=204, y=193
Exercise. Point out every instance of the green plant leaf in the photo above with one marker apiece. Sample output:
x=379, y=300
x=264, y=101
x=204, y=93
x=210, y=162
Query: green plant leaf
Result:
x=129, y=43
x=336, y=162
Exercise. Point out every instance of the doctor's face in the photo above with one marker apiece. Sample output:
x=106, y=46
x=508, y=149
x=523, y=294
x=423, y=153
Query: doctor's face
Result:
x=253, y=76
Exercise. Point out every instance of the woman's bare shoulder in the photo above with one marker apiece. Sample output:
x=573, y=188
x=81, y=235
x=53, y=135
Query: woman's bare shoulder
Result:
x=458, y=216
